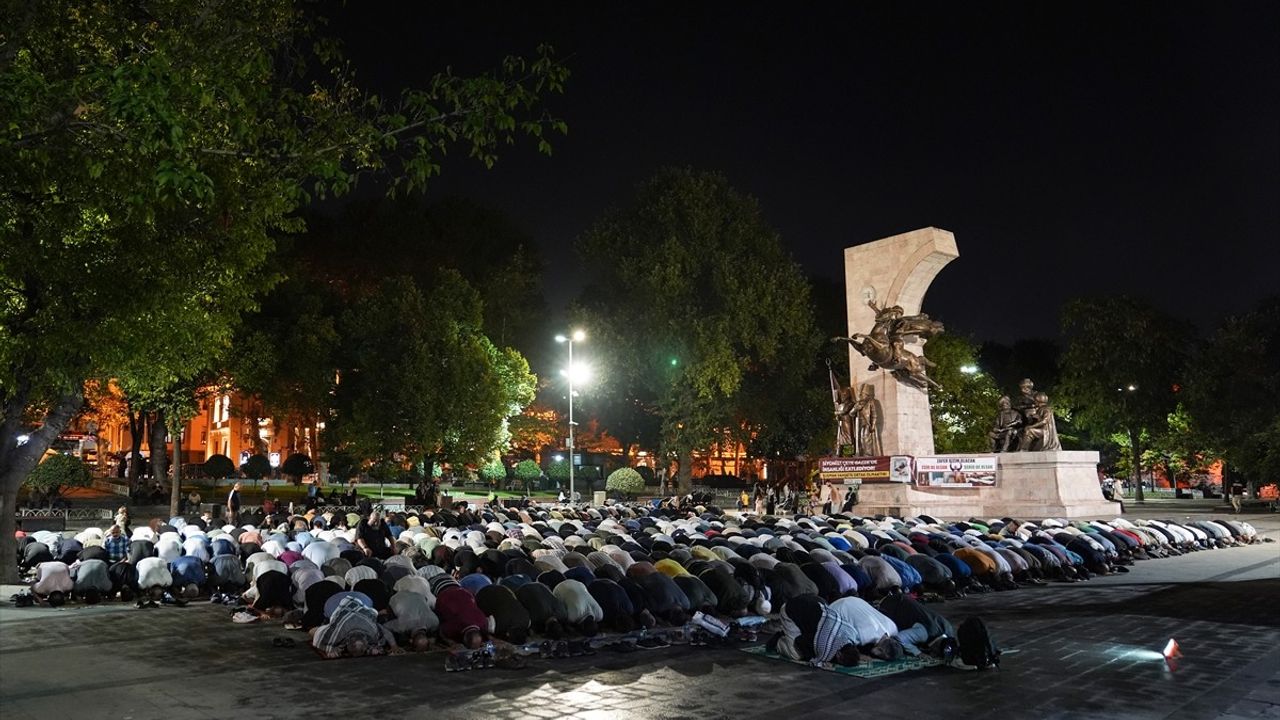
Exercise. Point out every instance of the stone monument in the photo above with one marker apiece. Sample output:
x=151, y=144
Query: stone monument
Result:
x=885, y=285
x=895, y=271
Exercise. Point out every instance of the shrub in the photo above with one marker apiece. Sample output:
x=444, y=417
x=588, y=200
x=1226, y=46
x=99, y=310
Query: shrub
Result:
x=527, y=474
x=342, y=466
x=219, y=467
x=493, y=471
x=558, y=470
x=256, y=467
x=297, y=465
x=58, y=471
x=625, y=481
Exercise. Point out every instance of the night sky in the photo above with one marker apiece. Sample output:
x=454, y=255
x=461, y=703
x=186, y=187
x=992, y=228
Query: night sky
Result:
x=1128, y=147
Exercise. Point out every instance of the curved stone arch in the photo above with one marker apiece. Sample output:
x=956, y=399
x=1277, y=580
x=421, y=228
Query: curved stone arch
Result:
x=897, y=270
x=918, y=271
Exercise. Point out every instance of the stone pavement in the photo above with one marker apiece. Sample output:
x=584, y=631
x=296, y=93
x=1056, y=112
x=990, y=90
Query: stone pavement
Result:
x=1088, y=650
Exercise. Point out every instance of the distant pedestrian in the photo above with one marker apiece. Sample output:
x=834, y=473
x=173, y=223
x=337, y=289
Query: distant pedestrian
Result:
x=233, y=505
x=1237, y=495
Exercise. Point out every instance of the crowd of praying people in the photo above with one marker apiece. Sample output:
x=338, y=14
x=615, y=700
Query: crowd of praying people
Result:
x=835, y=588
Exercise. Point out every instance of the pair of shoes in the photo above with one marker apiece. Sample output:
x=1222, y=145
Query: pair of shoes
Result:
x=244, y=617
x=457, y=661
x=652, y=643
x=216, y=598
x=283, y=642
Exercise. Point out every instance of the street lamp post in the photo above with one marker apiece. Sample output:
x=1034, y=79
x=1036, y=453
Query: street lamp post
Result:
x=1135, y=436
x=579, y=336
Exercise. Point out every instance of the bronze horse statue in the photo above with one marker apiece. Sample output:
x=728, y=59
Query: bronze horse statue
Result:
x=885, y=347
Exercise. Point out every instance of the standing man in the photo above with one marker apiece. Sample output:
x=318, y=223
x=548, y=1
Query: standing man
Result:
x=373, y=537
x=1237, y=495
x=233, y=505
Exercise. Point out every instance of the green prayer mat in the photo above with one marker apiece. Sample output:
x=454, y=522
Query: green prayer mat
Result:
x=867, y=669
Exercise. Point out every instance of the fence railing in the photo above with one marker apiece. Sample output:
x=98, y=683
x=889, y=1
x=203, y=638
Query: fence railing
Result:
x=64, y=514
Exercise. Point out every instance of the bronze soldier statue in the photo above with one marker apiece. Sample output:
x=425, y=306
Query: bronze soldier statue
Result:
x=1004, y=436
x=870, y=420
x=1040, y=430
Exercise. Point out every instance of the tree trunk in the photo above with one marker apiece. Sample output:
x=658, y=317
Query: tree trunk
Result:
x=159, y=453
x=1134, y=436
x=16, y=462
x=684, y=477
x=175, y=490
x=137, y=428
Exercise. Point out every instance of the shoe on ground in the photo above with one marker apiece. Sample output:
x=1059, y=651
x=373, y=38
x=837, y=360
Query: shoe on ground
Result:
x=244, y=617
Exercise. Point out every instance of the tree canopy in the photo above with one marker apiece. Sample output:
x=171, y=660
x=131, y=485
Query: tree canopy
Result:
x=692, y=295
x=527, y=474
x=625, y=481
x=219, y=466
x=1233, y=394
x=57, y=471
x=1123, y=367
x=420, y=381
x=964, y=408
x=150, y=156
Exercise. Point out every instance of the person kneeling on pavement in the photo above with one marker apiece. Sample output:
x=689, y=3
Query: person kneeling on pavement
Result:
x=839, y=633
x=353, y=631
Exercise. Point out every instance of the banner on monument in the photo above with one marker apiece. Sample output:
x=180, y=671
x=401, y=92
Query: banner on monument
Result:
x=882, y=469
x=956, y=471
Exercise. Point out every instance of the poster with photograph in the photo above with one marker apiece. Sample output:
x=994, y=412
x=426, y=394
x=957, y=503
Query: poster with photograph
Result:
x=956, y=471
x=883, y=469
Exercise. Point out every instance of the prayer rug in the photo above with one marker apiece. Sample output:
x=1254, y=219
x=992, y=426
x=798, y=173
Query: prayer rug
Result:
x=865, y=669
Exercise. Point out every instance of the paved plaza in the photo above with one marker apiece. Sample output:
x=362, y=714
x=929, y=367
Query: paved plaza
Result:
x=1089, y=650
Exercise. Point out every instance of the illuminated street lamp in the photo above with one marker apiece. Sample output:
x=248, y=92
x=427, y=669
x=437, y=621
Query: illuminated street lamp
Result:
x=969, y=369
x=581, y=374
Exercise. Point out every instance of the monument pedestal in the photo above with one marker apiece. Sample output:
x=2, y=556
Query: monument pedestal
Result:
x=1032, y=486
x=903, y=500
x=1057, y=483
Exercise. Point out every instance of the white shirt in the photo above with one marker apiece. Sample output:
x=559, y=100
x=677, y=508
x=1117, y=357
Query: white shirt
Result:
x=153, y=572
